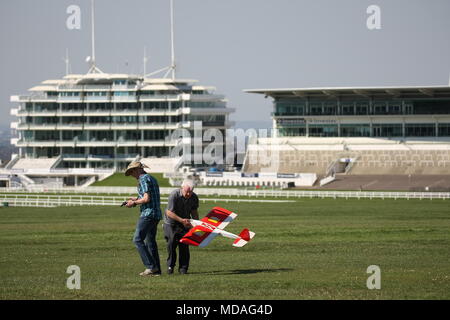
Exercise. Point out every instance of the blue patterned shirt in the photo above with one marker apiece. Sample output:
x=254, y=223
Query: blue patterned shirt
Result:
x=148, y=184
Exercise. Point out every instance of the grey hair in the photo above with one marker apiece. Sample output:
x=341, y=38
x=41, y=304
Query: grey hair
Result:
x=188, y=183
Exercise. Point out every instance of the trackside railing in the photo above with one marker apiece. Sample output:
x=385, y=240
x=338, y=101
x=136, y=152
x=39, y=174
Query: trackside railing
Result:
x=39, y=200
x=231, y=192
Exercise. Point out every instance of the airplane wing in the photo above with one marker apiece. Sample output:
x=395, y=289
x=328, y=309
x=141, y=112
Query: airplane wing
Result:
x=219, y=217
x=199, y=236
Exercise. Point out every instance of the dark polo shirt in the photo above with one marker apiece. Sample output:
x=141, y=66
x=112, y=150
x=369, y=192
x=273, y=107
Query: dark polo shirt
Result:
x=181, y=206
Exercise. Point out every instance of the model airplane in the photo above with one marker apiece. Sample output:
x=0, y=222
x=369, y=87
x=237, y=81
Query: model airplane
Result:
x=211, y=226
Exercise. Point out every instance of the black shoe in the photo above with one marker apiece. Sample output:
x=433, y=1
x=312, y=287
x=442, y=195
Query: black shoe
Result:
x=182, y=271
x=169, y=270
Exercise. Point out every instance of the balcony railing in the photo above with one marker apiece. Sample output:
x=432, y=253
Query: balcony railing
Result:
x=97, y=125
x=73, y=156
x=30, y=126
x=125, y=112
x=33, y=97
x=97, y=112
x=173, y=97
x=96, y=143
x=106, y=126
x=123, y=98
x=127, y=155
x=206, y=97
x=119, y=87
x=214, y=110
x=70, y=111
x=69, y=99
x=124, y=126
x=70, y=125
x=159, y=112
x=97, y=98
x=100, y=156
x=97, y=87
x=37, y=143
x=40, y=113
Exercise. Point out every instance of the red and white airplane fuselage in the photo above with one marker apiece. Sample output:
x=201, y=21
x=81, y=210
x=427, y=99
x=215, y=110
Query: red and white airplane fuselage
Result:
x=203, y=231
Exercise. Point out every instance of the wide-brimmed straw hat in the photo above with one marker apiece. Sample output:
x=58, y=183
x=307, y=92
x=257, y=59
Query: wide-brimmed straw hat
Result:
x=134, y=165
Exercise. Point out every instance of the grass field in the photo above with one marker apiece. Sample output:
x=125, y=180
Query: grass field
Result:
x=311, y=249
x=120, y=180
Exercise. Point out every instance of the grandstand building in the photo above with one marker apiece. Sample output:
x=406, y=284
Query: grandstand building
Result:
x=107, y=120
x=357, y=131
x=83, y=127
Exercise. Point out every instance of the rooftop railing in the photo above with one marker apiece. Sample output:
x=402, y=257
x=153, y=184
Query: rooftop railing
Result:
x=70, y=87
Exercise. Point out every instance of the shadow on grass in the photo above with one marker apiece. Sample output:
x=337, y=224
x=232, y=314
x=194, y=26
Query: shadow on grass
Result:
x=243, y=271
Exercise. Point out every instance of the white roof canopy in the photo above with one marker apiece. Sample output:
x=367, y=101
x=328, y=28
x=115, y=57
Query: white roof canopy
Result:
x=367, y=92
x=43, y=88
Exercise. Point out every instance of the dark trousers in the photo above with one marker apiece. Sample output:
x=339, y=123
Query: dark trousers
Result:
x=173, y=234
x=145, y=241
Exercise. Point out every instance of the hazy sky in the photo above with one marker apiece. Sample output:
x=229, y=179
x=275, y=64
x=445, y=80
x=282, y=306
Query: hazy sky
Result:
x=231, y=44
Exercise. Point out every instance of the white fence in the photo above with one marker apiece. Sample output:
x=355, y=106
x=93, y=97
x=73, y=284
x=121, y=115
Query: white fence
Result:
x=230, y=192
x=39, y=200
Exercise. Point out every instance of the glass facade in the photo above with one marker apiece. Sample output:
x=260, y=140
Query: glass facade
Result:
x=335, y=117
x=352, y=130
x=204, y=104
x=290, y=107
x=292, y=132
x=364, y=130
x=444, y=130
x=324, y=130
x=387, y=130
x=420, y=130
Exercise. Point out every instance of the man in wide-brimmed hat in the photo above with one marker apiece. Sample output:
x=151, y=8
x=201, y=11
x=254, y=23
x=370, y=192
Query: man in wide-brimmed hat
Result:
x=149, y=201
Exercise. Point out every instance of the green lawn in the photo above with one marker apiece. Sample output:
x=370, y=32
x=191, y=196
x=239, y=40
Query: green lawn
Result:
x=120, y=180
x=311, y=249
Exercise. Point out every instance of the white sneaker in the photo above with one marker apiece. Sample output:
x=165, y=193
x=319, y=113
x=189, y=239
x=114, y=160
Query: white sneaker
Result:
x=149, y=272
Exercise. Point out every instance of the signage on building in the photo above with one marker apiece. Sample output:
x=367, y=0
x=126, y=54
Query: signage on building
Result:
x=322, y=121
x=287, y=175
x=302, y=121
x=249, y=175
x=291, y=121
x=214, y=174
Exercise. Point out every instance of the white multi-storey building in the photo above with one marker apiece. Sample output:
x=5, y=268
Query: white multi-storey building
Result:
x=100, y=120
x=86, y=126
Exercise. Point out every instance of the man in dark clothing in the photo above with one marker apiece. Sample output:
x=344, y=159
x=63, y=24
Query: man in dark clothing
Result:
x=181, y=206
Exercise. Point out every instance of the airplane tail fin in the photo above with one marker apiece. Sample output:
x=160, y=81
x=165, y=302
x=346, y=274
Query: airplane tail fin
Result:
x=244, y=237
